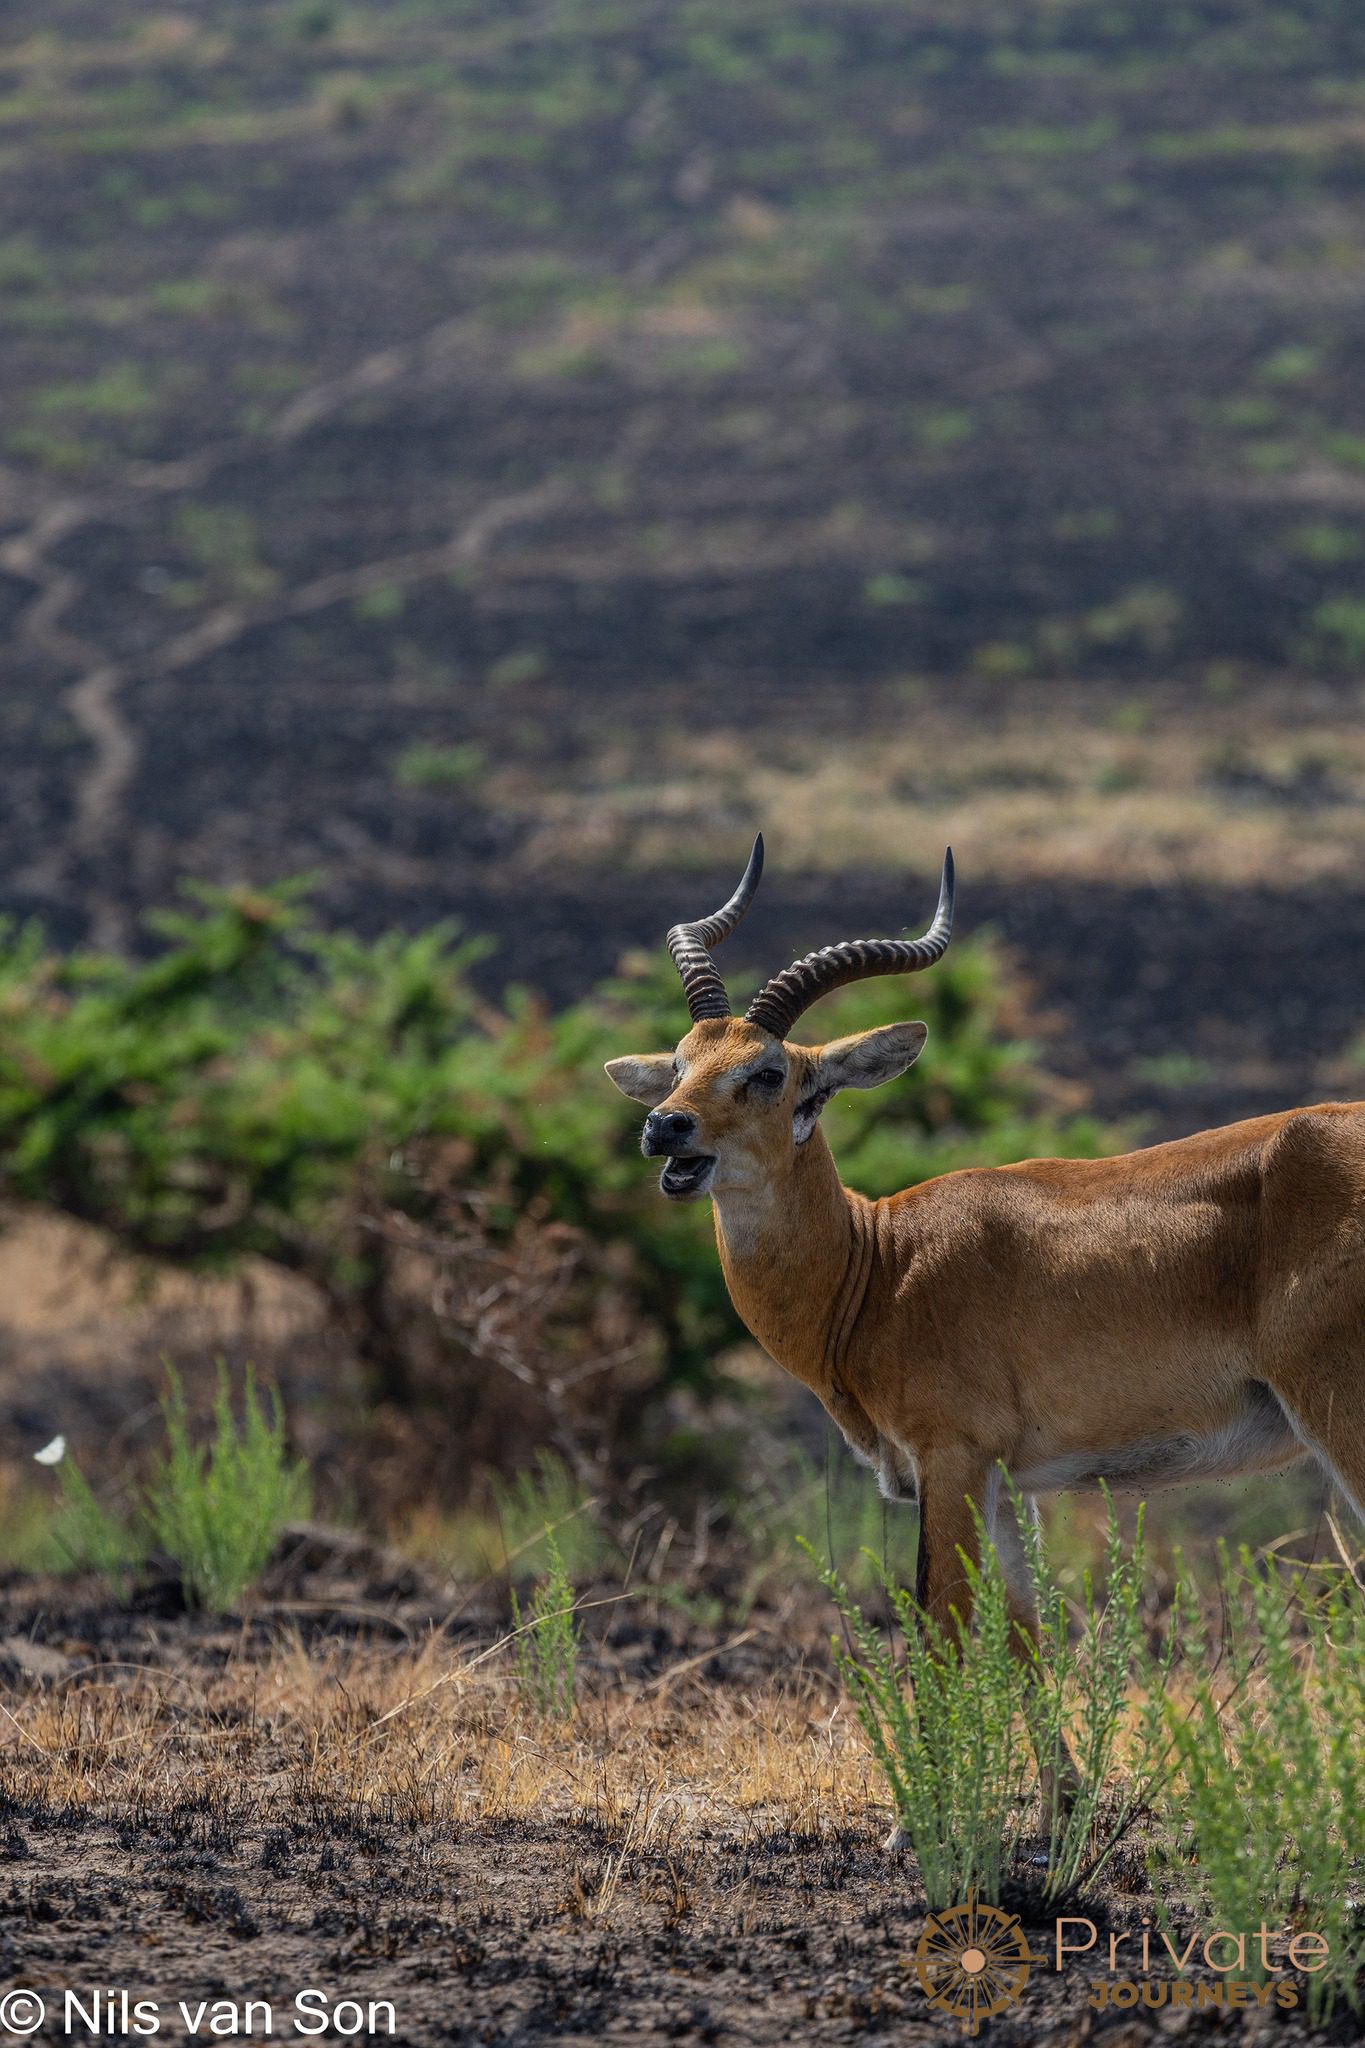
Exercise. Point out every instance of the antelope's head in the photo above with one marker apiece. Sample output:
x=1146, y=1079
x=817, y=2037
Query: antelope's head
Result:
x=731, y=1105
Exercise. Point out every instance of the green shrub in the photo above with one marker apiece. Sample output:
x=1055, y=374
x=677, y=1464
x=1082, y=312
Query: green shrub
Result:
x=122, y=390
x=1097, y=1690
x=428, y=767
x=948, y=1734
x=1265, y=1818
x=216, y=1511
x=963, y=1732
x=1341, y=623
x=265, y=1087
x=546, y=1641
x=222, y=542
x=544, y=1506
x=213, y=1511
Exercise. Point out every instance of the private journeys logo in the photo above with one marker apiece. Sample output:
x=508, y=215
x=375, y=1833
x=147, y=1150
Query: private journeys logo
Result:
x=1237, y=1973
x=973, y=1963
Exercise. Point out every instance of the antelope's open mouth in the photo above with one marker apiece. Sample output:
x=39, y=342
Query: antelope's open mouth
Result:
x=688, y=1176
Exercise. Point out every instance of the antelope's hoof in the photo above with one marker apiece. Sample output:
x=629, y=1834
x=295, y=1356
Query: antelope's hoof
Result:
x=897, y=1842
x=1062, y=1792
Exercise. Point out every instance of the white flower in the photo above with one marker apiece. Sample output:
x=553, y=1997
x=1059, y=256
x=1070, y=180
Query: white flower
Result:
x=51, y=1454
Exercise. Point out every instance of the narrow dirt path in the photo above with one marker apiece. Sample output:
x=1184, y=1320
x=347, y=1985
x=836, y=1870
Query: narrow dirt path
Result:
x=91, y=700
x=229, y=622
x=92, y=697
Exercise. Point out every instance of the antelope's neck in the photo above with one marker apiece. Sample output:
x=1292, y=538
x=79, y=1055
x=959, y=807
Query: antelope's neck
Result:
x=797, y=1257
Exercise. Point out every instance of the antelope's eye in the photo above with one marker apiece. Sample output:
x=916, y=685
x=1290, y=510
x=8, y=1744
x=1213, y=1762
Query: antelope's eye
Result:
x=767, y=1077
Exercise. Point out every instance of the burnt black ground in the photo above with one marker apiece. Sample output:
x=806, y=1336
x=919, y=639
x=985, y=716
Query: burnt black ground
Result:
x=519, y=377
x=500, y=1931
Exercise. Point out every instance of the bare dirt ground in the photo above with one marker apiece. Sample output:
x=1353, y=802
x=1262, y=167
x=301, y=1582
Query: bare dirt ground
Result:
x=338, y=1790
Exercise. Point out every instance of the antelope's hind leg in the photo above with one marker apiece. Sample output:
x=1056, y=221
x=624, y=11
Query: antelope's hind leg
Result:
x=1311, y=1338
x=1323, y=1394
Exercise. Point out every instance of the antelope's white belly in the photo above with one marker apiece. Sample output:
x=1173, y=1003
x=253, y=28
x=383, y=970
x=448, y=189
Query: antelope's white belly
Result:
x=1258, y=1435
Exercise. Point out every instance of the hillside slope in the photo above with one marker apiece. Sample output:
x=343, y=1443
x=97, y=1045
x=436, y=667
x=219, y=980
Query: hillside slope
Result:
x=480, y=450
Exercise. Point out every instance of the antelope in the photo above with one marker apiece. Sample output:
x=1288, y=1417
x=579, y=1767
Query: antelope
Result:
x=1193, y=1310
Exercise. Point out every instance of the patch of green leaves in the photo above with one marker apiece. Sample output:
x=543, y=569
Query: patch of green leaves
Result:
x=261, y=1082
x=546, y=1642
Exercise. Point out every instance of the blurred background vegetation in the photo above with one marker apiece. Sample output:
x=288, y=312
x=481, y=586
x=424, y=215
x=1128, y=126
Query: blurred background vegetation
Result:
x=489, y=459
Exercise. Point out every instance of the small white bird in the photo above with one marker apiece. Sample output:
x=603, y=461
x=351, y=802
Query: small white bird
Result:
x=51, y=1454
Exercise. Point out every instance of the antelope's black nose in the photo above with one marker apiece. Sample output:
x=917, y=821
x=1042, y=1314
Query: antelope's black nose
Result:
x=671, y=1133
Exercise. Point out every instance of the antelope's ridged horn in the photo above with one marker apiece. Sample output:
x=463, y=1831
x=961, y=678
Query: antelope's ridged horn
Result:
x=690, y=944
x=780, y=1001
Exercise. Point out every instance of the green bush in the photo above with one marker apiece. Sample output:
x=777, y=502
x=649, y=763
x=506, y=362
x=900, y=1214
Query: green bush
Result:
x=217, y=1511
x=1265, y=1818
x=1341, y=623
x=428, y=767
x=978, y=1720
x=263, y=1086
x=1097, y=1691
x=86, y=1536
x=948, y=1734
x=541, y=1506
x=214, y=1511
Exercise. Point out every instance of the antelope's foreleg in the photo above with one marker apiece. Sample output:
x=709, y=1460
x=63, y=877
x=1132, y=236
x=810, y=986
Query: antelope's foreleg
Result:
x=953, y=1490
x=949, y=1540
x=1059, y=1775
x=949, y=1533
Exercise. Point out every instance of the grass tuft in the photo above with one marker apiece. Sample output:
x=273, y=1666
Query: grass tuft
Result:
x=89, y=1537
x=216, y=1511
x=547, y=1642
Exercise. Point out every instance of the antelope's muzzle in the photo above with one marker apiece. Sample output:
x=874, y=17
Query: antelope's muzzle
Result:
x=668, y=1132
x=672, y=1135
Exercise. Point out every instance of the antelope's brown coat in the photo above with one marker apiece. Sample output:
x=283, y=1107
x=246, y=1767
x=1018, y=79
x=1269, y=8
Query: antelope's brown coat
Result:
x=1193, y=1309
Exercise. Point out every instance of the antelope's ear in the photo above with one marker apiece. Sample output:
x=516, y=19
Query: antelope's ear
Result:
x=645, y=1078
x=869, y=1058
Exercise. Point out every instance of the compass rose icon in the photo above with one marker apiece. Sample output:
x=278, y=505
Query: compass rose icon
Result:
x=973, y=1962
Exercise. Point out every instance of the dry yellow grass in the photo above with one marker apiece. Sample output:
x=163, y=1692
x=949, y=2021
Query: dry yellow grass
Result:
x=426, y=1736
